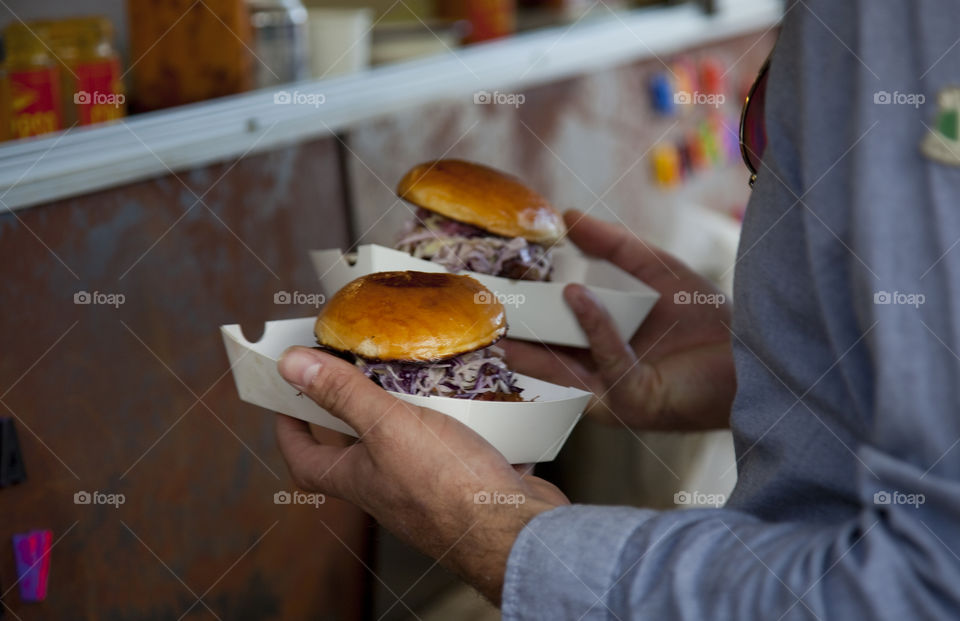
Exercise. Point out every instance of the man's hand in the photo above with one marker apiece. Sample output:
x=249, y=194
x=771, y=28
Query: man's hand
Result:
x=676, y=373
x=416, y=471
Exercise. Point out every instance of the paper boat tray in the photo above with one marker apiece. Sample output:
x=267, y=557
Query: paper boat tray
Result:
x=526, y=432
x=535, y=311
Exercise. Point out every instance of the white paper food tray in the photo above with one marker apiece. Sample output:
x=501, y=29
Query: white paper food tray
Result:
x=536, y=311
x=524, y=432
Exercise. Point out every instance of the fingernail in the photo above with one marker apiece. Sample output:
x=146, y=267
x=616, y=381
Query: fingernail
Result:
x=299, y=366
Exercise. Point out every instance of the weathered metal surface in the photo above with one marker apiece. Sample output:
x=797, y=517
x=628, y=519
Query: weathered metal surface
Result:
x=136, y=399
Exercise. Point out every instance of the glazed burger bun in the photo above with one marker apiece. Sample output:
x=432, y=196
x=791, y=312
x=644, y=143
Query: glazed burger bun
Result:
x=484, y=197
x=411, y=316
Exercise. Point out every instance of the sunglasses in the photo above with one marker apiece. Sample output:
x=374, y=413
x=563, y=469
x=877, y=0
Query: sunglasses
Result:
x=753, y=131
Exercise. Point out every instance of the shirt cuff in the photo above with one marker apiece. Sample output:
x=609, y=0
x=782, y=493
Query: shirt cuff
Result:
x=565, y=561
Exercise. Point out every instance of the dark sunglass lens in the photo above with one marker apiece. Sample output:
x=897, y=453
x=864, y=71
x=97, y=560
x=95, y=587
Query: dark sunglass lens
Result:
x=754, y=130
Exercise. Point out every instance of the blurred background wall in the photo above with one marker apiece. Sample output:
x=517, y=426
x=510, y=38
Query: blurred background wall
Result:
x=140, y=401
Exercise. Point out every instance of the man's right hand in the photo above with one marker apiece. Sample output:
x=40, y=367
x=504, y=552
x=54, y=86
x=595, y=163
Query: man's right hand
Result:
x=675, y=373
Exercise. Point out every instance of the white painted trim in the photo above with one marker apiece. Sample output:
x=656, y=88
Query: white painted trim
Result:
x=87, y=159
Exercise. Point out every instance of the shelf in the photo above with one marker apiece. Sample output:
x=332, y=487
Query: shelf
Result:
x=92, y=158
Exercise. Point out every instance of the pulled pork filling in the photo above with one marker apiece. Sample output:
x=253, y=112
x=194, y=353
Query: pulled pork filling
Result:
x=481, y=375
x=458, y=246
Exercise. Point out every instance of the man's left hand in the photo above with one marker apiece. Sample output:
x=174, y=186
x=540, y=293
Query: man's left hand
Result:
x=424, y=476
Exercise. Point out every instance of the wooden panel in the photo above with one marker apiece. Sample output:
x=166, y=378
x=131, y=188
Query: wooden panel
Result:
x=137, y=399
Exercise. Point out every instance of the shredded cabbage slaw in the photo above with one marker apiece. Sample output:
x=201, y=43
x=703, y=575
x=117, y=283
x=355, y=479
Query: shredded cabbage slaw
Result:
x=467, y=376
x=458, y=246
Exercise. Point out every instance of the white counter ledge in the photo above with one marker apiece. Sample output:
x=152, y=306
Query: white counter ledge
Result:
x=143, y=146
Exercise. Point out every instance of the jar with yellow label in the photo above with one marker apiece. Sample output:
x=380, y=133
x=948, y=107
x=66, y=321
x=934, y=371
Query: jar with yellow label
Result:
x=91, y=85
x=32, y=82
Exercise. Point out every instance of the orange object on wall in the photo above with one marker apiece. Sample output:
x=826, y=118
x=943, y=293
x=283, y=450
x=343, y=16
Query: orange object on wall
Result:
x=183, y=51
x=491, y=19
x=488, y=19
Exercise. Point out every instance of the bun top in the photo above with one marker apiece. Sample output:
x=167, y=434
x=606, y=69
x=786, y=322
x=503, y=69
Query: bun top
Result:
x=411, y=316
x=484, y=197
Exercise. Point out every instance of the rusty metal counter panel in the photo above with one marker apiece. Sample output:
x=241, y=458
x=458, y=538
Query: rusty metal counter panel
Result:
x=132, y=395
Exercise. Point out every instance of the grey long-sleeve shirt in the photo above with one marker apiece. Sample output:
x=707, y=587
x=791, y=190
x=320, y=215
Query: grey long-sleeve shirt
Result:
x=841, y=396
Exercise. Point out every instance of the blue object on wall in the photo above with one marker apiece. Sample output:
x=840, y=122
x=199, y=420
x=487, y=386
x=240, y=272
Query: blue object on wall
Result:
x=661, y=94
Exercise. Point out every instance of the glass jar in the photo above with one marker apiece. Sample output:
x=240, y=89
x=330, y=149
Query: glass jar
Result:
x=32, y=81
x=90, y=70
x=188, y=51
x=279, y=41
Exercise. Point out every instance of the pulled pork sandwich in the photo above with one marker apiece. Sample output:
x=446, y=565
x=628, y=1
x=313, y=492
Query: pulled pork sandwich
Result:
x=476, y=218
x=421, y=333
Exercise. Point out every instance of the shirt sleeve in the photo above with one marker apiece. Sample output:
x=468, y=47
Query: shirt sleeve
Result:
x=892, y=561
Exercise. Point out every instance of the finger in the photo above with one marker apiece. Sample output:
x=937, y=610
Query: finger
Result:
x=616, y=244
x=338, y=387
x=312, y=465
x=294, y=435
x=544, y=363
x=611, y=354
x=524, y=469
